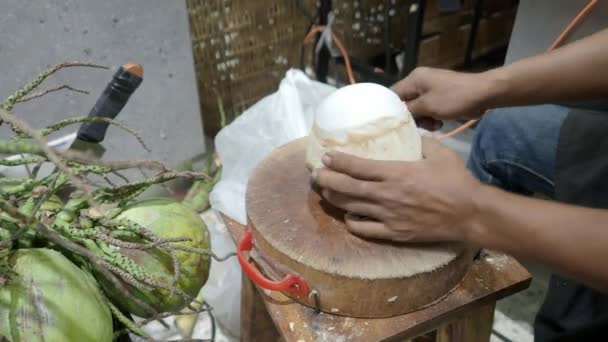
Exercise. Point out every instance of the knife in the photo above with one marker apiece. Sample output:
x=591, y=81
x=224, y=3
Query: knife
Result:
x=87, y=139
x=111, y=101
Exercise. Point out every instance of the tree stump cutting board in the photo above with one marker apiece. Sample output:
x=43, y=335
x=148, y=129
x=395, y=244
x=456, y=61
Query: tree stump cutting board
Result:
x=296, y=231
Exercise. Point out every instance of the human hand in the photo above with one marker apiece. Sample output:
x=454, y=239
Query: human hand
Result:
x=433, y=95
x=426, y=200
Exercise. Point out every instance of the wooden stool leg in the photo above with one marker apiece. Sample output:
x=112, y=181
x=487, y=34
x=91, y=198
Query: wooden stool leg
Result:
x=256, y=324
x=475, y=326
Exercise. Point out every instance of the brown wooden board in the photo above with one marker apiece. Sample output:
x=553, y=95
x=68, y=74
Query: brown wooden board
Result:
x=494, y=32
x=447, y=49
x=351, y=275
x=493, y=276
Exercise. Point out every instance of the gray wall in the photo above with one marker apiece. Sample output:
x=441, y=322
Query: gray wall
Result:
x=539, y=23
x=165, y=109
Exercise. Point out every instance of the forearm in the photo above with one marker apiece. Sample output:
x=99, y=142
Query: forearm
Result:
x=570, y=239
x=575, y=72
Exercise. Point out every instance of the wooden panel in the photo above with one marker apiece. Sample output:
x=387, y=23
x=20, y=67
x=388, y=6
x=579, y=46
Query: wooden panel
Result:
x=446, y=23
x=431, y=11
x=493, y=6
x=494, y=32
x=428, y=52
x=445, y=50
x=476, y=326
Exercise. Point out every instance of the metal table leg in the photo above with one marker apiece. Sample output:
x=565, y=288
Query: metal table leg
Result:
x=415, y=20
x=468, y=57
x=323, y=57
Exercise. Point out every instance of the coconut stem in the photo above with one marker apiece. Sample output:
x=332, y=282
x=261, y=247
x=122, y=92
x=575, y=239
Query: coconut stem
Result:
x=50, y=90
x=201, y=251
x=50, y=154
x=75, y=120
x=32, y=85
x=126, y=321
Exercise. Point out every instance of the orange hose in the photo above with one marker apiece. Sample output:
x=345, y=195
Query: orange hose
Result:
x=560, y=39
x=584, y=12
x=458, y=129
x=349, y=70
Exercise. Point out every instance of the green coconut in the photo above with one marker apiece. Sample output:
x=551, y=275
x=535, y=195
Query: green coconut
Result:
x=47, y=298
x=167, y=219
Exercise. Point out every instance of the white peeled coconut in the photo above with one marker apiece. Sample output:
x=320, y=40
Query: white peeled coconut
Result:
x=366, y=120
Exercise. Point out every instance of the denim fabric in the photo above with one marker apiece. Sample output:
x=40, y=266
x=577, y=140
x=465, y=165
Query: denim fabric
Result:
x=515, y=148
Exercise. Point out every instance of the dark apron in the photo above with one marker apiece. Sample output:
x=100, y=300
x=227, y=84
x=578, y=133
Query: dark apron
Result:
x=573, y=311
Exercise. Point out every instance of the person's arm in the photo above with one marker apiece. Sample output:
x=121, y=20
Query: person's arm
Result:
x=571, y=239
x=577, y=71
x=438, y=199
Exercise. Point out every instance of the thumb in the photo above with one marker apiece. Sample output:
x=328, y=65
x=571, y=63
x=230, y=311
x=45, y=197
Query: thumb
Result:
x=419, y=107
x=432, y=148
x=406, y=89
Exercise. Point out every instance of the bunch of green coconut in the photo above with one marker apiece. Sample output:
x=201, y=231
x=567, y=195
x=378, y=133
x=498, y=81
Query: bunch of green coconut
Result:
x=79, y=259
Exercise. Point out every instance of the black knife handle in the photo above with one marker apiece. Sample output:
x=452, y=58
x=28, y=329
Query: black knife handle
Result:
x=112, y=100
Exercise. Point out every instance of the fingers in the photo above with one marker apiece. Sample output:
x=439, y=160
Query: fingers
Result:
x=412, y=90
x=372, y=229
x=342, y=183
x=360, y=168
x=406, y=89
x=353, y=205
x=420, y=108
x=429, y=123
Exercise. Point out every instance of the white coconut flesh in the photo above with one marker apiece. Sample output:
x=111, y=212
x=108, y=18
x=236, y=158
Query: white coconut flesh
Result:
x=366, y=120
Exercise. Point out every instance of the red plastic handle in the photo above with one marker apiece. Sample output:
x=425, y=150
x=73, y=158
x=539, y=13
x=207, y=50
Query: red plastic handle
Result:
x=290, y=283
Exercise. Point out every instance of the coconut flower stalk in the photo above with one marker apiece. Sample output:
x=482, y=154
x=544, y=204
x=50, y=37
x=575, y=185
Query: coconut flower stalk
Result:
x=101, y=227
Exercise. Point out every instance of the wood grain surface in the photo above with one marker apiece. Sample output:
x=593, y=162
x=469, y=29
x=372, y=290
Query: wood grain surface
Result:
x=294, y=227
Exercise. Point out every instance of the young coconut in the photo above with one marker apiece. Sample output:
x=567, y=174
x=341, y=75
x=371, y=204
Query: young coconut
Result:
x=366, y=120
x=167, y=219
x=48, y=298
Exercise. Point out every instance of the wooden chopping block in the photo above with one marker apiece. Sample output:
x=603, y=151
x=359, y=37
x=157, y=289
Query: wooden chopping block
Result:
x=296, y=232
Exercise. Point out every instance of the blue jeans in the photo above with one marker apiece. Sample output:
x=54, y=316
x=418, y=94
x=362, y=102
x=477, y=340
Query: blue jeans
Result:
x=515, y=148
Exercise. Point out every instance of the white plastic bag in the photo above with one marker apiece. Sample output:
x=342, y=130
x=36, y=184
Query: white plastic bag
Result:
x=275, y=120
x=223, y=288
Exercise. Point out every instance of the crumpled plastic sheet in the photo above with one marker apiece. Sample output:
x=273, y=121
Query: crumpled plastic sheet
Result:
x=275, y=120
